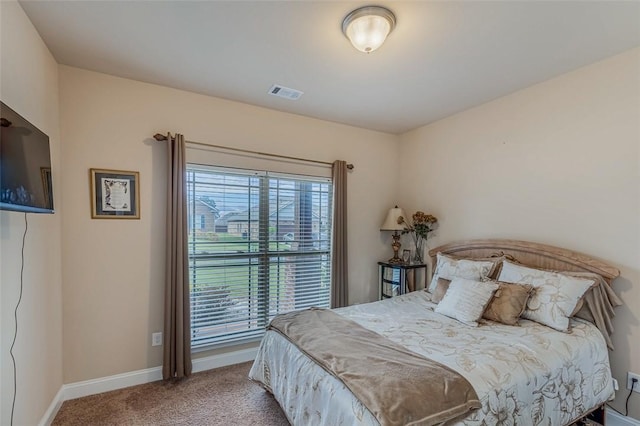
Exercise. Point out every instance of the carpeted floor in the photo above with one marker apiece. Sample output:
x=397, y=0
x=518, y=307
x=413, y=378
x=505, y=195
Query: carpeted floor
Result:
x=224, y=396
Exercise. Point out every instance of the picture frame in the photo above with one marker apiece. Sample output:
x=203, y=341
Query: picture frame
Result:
x=406, y=256
x=115, y=194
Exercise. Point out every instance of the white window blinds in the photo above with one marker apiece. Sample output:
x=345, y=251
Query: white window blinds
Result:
x=259, y=245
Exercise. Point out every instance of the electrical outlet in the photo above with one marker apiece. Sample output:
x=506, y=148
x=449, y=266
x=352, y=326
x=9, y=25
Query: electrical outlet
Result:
x=631, y=376
x=156, y=339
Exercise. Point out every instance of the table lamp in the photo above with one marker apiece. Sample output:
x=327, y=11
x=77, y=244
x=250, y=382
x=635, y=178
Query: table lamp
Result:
x=391, y=224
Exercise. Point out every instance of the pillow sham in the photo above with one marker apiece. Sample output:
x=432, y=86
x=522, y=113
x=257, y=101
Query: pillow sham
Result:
x=448, y=268
x=598, y=305
x=555, y=297
x=508, y=303
x=465, y=300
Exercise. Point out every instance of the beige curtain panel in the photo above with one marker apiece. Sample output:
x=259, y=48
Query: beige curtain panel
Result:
x=339, y=261
x=177, y=324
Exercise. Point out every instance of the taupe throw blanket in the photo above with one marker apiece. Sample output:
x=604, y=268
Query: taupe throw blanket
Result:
x=398, y=386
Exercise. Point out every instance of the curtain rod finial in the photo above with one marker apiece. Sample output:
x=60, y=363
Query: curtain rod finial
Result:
x=159, y=137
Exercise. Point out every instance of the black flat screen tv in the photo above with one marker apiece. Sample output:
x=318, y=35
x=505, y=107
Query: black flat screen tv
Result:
x=25, y=165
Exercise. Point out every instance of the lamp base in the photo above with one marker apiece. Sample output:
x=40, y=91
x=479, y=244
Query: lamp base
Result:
x=395, y=245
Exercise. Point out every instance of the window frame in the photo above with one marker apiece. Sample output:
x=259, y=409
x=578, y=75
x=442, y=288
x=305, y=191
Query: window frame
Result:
x=265, y=255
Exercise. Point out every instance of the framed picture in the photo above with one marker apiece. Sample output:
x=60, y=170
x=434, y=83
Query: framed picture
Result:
x=406, y=256
x=115, y=194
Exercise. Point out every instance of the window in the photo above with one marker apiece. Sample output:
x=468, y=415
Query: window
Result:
x=268, y=253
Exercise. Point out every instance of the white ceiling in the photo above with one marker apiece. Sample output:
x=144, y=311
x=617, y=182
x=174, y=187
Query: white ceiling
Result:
x=443, y=57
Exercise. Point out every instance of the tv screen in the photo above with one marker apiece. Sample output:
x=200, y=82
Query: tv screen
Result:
x=25, y=165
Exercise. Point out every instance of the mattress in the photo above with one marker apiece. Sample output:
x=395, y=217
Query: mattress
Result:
x=526, y=374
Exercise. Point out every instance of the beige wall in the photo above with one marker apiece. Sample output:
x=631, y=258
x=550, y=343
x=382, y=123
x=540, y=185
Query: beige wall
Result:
x=557, y=163
x=29, y=85
x=113, y=269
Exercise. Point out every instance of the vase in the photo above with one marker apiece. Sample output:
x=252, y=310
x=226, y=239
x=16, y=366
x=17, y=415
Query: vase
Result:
x=418, y=256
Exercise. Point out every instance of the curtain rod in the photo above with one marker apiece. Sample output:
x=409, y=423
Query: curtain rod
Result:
x=160, y=137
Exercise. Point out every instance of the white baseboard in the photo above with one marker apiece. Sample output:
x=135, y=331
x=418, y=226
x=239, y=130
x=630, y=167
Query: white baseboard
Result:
x=51, y=412
x=616, y=419
x=109, y=383
x=222, y=360
x=139, y=377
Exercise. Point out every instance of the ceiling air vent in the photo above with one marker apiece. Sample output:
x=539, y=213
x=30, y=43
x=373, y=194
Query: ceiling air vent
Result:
x=285, y=92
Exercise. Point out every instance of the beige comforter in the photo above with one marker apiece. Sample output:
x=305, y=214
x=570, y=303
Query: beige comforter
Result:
x=398, y=387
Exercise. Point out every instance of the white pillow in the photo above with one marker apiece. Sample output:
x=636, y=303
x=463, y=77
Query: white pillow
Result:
x=450, y=268
x=555, y=295
x=465, y=300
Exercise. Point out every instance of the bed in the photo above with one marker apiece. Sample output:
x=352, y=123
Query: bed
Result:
x=529, y=373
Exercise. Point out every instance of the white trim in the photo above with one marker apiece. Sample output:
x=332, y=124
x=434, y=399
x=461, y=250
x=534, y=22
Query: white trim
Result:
x=51, y=412
x=109, y=383
x=615, y=419
x=119, y=381
x=222, y=360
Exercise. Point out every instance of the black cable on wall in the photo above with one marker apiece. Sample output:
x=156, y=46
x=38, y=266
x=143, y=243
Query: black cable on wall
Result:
x=15, y=317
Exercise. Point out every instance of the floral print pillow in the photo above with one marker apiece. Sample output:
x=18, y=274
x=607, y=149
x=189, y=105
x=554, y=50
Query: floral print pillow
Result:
x=555, y=295
x=450, y=268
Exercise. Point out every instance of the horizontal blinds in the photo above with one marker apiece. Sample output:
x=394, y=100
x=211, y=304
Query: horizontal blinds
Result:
x=259, y=245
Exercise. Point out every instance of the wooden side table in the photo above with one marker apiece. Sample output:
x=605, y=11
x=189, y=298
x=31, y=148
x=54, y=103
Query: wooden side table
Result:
x=397, y=279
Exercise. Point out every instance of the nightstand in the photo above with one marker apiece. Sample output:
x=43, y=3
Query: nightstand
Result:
x=397, y=279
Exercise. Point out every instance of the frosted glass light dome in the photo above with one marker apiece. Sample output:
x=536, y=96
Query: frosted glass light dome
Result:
x=368, y=27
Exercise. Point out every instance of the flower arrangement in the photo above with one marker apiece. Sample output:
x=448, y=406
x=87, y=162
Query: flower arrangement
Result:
x=420, y=226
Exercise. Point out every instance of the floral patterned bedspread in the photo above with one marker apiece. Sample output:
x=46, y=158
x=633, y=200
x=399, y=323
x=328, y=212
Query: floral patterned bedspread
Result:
x=524, y=375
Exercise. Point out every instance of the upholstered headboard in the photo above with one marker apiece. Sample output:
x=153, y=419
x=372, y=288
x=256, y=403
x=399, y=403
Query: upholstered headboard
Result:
x=529, y=254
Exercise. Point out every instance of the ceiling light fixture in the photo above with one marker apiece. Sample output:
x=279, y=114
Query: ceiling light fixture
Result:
x=368, y=27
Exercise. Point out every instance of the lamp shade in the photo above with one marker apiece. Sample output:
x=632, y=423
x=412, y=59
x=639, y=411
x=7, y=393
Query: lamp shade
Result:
x=368, y=27
x=391, y=222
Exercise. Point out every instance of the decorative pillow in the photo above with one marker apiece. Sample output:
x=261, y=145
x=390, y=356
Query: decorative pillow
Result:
x=465, y=300
x=449, y=268
x=555, y=297
x=508, y=303
x=441, y=289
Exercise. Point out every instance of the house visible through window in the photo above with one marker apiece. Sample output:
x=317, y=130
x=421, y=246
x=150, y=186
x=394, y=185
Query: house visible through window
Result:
x=262, y=248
